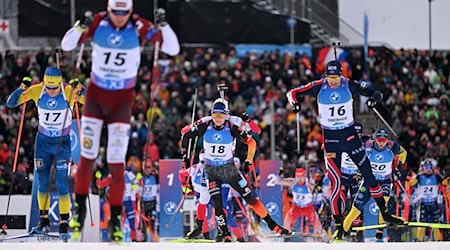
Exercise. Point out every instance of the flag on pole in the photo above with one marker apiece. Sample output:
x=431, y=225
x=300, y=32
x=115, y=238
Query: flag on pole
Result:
x=366, y=42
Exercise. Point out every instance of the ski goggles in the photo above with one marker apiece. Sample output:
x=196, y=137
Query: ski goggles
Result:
x=333, y=78
x=427, y=167
x=120, y=12
x=51, y=88
x=218, y=115
x=381, y=139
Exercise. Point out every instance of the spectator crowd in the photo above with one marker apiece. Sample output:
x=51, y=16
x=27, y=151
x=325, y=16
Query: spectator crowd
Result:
x=415, y=85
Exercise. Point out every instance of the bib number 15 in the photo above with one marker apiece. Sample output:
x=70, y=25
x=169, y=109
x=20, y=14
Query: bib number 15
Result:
x=118, y=59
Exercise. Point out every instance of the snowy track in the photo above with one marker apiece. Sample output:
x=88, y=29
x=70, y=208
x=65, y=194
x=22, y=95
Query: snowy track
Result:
x=229, y=246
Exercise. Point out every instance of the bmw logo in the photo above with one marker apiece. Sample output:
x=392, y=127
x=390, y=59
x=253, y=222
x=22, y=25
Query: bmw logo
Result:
x=373, y=208
x=217, y=137
x=51, y=103
x=379, y=157
x=272, y=208
x=115, y=40
x=170, y=207
x=335, y=97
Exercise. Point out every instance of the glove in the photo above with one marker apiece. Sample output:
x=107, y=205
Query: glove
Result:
x=185, y=162
x=194, y=127
x=377, y=96
x=245, y=117
x=281, y=172
x=138, y=176
x=160, y=17
x=248, y=166
x=397, y=174
x=371, y=103
x=84, y=22
x=76, y=84
x=296, y=107
x=134, y=187
x=222, y=87
x=26, y=83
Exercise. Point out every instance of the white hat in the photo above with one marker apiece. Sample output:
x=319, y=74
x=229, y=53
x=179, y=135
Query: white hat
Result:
x=120, y=4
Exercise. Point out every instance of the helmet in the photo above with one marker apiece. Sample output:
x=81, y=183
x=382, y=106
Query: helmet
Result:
x=358, y=127
x=300, y=172
x=333, y=68
x=381, y=133
x=52, y=77
x=219, y=107
x=120, y=5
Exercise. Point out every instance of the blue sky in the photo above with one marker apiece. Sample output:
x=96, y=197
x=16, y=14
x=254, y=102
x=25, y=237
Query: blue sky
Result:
x=401, y=23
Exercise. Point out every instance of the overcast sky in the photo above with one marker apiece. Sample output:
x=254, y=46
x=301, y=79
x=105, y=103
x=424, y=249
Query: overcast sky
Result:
x=401, y=23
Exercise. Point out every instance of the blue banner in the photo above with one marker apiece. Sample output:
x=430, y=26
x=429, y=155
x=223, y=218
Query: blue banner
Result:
x=243, y=49
x=271, y=192
x=75, y=142
x=370, y=218
x=171, y=219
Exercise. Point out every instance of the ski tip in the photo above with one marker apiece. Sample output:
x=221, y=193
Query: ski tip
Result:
x=76, y=235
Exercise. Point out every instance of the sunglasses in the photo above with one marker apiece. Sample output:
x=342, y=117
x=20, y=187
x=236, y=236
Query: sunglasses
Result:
x=381, y=140
x=333, y=78
x=52, y=88
x=120, y=12
x=218, y=115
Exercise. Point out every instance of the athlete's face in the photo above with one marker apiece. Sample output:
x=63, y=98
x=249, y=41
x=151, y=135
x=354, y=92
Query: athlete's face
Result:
x=218, y=118
x=300, y=179
x=53, y=91
x=334, y=81
x=119, y=17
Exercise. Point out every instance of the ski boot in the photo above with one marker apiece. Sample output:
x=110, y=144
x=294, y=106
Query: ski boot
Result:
x=194, y=234
x=114, y=225
x=77, y=221
x=240, y=239
x=43, y=227
x=206, y=236
x=387, y=217
x=278, y=229
x=338, y=235
x=64, y=232
x=379, y=236
x=226, y=236
x=219, y=236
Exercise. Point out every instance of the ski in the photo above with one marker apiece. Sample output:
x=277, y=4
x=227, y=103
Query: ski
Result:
x=293, y=234
x=49, y=237
x=184, y=240
x=409, y=224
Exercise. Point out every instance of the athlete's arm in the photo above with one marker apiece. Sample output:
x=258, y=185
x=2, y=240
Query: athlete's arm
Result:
x=17, y=97
x=311, y=89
